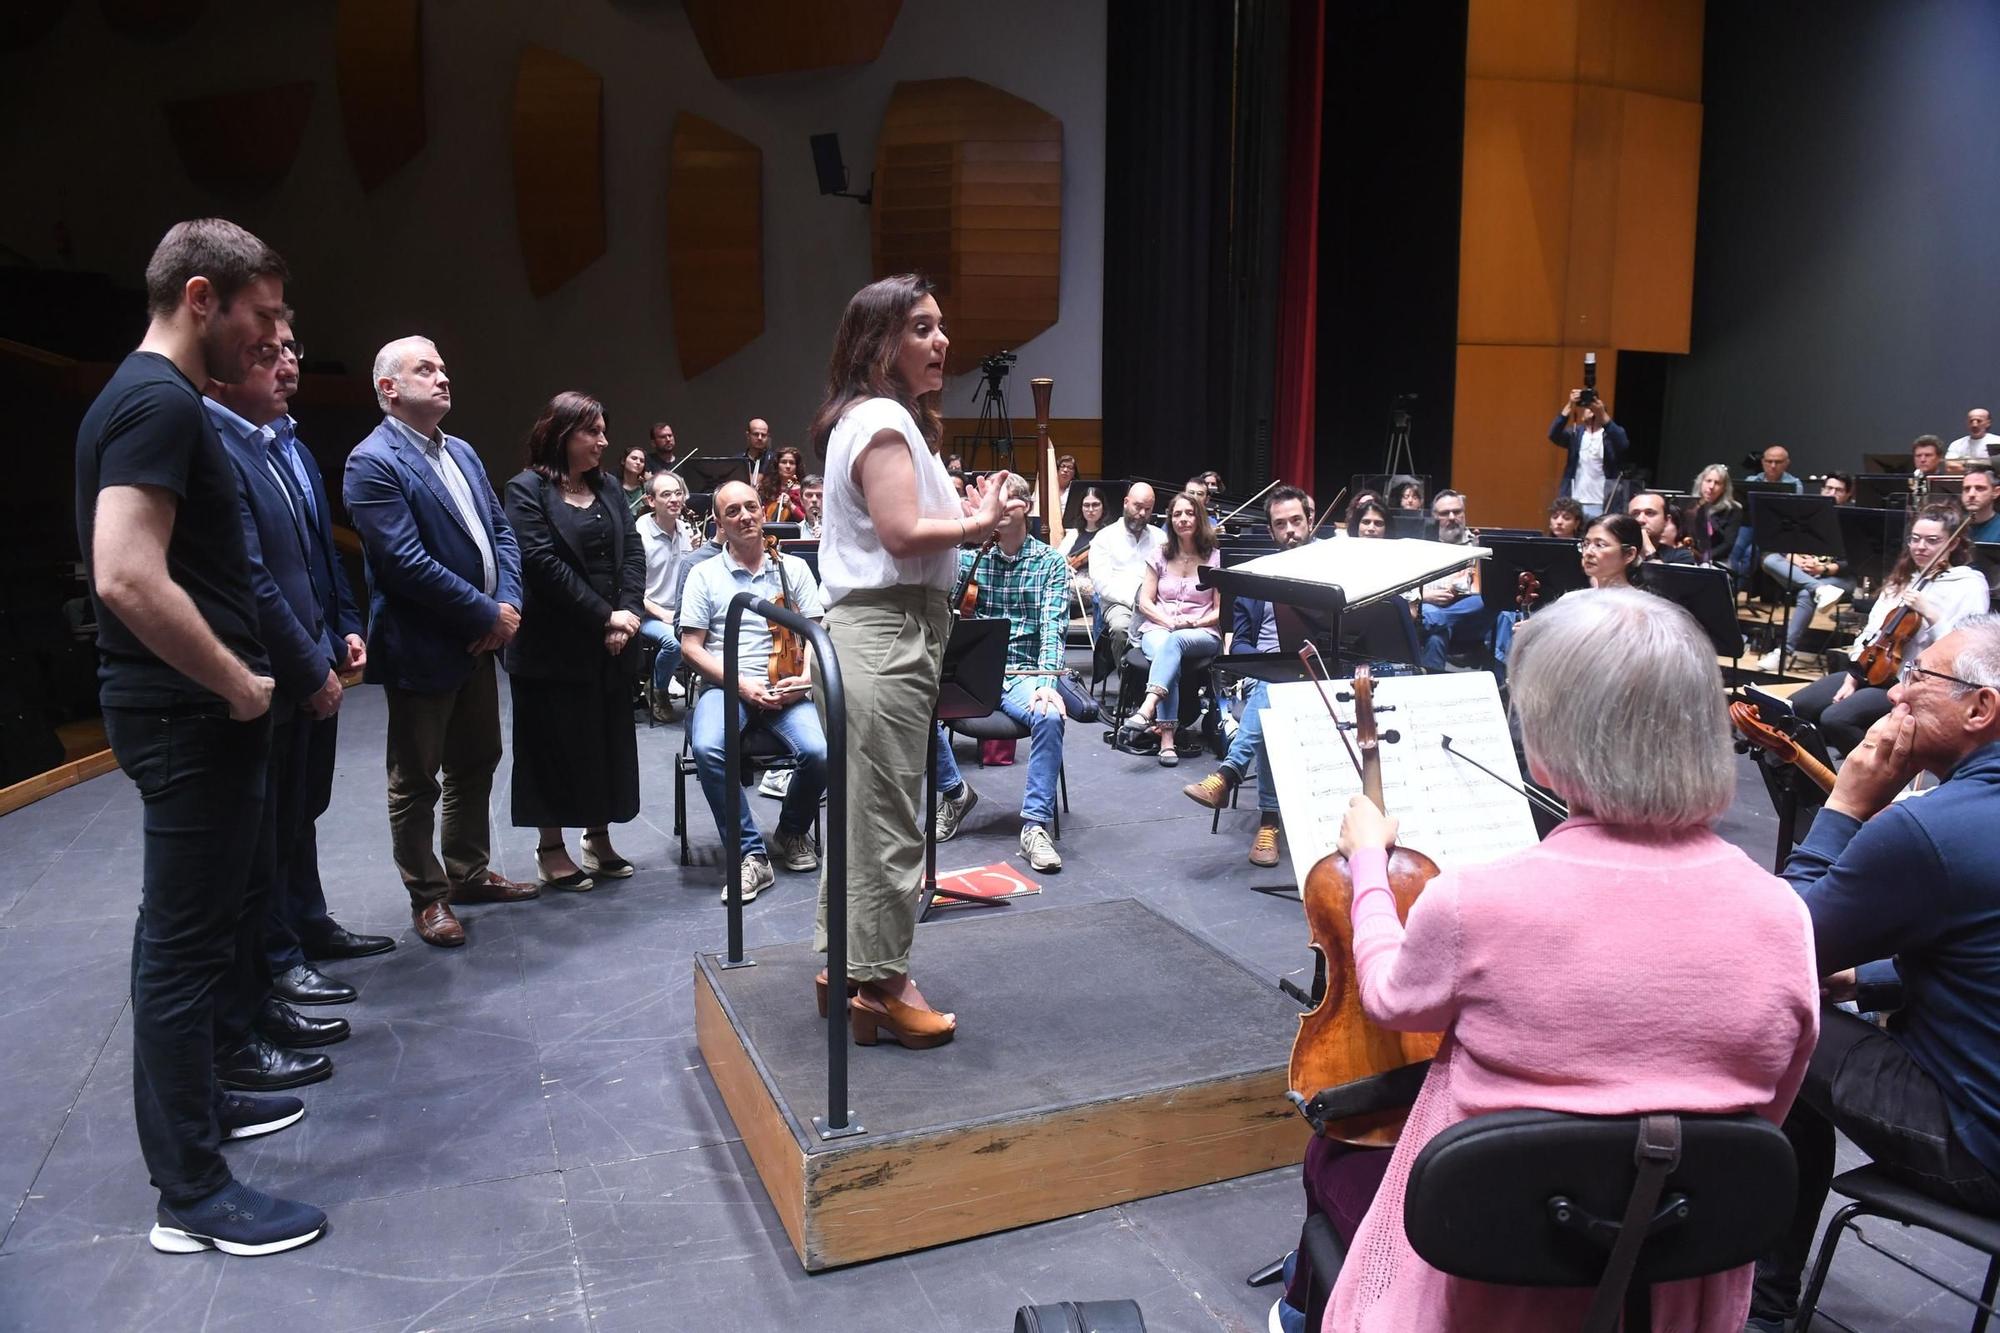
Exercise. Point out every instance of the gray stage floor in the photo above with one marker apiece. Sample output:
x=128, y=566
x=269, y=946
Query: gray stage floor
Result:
x=519, y=1133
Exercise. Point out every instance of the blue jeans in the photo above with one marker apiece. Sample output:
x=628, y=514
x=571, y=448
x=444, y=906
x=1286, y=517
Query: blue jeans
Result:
x=1045, y=742
x=1463, y=624
x=1248, y=746
x=1167, y=650
x=1789, y=576
x=669, y=660
x=797, y=726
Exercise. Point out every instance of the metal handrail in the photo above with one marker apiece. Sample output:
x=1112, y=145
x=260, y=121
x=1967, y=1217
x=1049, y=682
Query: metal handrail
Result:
x=827, y=679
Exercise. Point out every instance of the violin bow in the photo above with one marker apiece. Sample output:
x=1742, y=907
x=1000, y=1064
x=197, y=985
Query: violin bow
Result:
x=1315, y=666
x=1247, y=503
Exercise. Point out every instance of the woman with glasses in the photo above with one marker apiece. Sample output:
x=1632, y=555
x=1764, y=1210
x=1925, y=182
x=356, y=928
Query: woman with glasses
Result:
x=1612, y=548
x=1843, y=707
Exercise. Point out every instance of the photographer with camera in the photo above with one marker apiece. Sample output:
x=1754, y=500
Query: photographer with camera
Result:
x=1597, y=446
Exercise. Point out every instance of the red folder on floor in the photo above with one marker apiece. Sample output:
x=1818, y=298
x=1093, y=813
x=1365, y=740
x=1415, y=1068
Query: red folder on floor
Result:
x=992, y=882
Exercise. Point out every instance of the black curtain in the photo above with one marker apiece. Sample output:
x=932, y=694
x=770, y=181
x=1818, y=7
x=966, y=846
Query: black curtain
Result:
x=1195, y=136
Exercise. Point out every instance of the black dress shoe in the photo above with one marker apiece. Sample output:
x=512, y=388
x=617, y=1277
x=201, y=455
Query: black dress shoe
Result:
x=340, y=942
x=282, y=1025
x=303, y=985
x=258, y=1066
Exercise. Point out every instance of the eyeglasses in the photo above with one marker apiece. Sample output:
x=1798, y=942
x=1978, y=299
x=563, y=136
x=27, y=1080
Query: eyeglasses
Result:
x=1602, y=546
x=1911, y=671
x=267, y=353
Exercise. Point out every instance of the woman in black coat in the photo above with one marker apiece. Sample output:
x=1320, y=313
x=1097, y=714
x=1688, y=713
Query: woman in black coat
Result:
x=583, y=570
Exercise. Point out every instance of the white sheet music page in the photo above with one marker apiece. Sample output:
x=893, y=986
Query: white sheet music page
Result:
x=1366, y=569
x=1449, y=810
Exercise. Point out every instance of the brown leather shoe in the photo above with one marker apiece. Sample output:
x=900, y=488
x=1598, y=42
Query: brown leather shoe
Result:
x=496, y=888
x=1213, y=790
x=436, y=925
x=1264, y=847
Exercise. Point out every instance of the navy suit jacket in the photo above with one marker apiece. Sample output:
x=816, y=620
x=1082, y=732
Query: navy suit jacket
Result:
x=425, y=603
x=289, y=620
x=337, y=604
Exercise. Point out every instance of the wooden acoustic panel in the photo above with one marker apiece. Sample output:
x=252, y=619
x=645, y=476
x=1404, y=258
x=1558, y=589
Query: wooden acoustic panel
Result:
x=968, y=191
x=742, y=38
x=240, y=142
x=558, y=166
x=1513, y=243
x=715, y=242
x=1512, y=475
x=379, y=66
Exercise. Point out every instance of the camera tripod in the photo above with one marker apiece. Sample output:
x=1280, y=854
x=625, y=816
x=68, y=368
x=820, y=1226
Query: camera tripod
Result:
x=995, y=428
x=1400, y=458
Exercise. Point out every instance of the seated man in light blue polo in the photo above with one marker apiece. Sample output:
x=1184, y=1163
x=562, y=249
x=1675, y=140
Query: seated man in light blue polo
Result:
x=783, y=706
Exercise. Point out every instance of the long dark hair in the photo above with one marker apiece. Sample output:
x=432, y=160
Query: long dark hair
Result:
x=864, y=358
x=1204, y=534
x=548, y=443
x=767, y=481
x=1948, y=514
x=1359, y=506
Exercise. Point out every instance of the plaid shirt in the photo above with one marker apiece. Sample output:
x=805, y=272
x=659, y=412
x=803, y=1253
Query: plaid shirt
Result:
x=1031, y=589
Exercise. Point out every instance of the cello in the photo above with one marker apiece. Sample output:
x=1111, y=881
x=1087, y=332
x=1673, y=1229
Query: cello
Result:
x=1337, y=1043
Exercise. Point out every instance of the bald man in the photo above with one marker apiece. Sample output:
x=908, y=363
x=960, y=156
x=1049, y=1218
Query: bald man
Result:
x=1119, y=555
x=1972, y=446
x=444, y=579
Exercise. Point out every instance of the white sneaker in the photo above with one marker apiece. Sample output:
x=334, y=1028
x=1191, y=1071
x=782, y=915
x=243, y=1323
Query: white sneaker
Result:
x=1039, y=849
x=1826, y=595
x=1772, y=662
x=950, y=813
x=675, y=690
x=757, y=877
x=777, y=782
x=795, y=850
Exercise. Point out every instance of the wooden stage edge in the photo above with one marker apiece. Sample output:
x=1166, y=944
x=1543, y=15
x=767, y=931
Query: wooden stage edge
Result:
x=849, y=1200
x=29, y=790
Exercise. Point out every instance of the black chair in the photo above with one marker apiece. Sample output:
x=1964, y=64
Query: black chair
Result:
x=1875, y=1193
x=997, y=726
x=1195, y=677
x=763, y=752
x=1618, y=1203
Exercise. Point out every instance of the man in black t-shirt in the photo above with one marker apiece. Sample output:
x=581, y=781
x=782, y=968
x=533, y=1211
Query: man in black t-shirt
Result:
x=186, y=691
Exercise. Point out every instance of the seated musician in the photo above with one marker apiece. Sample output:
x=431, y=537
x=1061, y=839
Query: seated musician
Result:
x=1977, y=496
x=1024, y=581
x=1565, y=518
x=1902, y=898
x=1289, y=511
x=1649, y=509
x=1075, y=547
x=1633, y=962
x=1368, y=516
x=783, y=706
x=1842, y=704
x=812, y=494
x=1815, y=580
x=1454, y=615
x=1610, y=554
x=1717, y=515
x=1118, y=558
x=668, y=544
x=1177, y=621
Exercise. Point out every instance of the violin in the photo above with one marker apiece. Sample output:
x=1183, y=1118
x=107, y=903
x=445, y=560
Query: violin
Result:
x=1881, y=660
x=1753, y=728
x=788, y=650
x=968, y=596
x=1337, y=1042
x=1527, y=593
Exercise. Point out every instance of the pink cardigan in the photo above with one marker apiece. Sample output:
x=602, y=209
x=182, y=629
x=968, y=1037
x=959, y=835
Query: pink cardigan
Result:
x=1604, y=972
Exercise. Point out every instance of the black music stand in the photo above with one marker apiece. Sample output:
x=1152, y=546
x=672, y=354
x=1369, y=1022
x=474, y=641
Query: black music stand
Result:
x=1793, y=795
x=1872, y=540
x=1412, y=523
x=1986, y=559
x=1703, y=592
x=974, y=678
x=1554, y=561
x=1795, y=525
x=708, y=474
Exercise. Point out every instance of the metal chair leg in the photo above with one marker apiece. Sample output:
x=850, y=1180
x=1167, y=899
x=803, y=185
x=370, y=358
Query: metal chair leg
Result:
x=1981, y=1319
x=1809, y=1302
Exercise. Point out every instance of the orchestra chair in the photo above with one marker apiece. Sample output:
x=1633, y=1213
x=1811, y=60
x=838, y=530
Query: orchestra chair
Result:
x=997, y=726
x=763, y=752
x=1195, y=676
x=1875, y=1193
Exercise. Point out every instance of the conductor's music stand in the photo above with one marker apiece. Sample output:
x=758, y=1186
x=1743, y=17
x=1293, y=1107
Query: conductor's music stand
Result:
x=1795, y=525
x=975, y=669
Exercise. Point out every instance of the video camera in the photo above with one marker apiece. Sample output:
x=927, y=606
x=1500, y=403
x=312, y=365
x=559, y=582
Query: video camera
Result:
x=1588, y=395
x=996, y=366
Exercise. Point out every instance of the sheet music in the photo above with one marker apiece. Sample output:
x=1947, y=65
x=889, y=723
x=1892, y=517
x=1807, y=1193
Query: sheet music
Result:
x=1449, y=810
x=1365, y=569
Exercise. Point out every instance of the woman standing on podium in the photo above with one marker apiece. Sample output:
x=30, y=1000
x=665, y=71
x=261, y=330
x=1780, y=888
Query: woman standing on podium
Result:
x=888, y=558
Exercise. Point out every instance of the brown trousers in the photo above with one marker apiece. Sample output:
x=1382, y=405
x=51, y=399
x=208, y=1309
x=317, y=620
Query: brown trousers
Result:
x=458, y=733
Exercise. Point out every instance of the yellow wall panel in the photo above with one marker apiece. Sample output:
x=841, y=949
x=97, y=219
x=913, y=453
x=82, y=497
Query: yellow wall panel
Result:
x=1514, y=235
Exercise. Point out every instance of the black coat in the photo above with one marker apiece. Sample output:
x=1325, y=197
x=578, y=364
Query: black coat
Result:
x=562, y=615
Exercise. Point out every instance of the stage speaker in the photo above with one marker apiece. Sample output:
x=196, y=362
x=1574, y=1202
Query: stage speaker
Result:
x=827, y=162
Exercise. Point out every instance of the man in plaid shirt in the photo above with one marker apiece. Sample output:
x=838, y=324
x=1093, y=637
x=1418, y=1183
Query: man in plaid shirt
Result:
x=1025, y=581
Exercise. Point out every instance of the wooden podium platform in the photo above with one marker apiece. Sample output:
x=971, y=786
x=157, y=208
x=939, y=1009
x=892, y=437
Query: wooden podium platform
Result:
x=1104, y=1054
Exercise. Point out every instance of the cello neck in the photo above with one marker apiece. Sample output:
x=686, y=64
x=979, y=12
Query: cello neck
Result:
x=1365, y=738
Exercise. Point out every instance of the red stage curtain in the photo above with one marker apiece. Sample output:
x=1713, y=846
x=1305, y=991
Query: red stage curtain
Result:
x=1293, y=444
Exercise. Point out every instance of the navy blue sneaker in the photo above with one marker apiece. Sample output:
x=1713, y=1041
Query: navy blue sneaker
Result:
x=236, y=1220
x=245, y=1116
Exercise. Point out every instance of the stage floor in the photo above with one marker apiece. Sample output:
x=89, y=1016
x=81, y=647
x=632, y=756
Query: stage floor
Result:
x=520, y=1133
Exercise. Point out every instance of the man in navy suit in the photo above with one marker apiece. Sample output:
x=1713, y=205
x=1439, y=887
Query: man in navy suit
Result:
x=444, y=579
x=292, y=625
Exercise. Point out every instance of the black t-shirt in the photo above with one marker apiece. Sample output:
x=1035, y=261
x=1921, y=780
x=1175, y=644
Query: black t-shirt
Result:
x=147, y=428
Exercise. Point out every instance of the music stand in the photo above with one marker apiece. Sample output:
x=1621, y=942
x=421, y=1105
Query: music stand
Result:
x=784, y=532
x=1792, y=793
x=974, y=678
x=1412, y=523
x=1795, y=525
x=709, y=474
x=1704, y=592
x=1986, y=559
x=1554, y=561
x=1872, y=539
